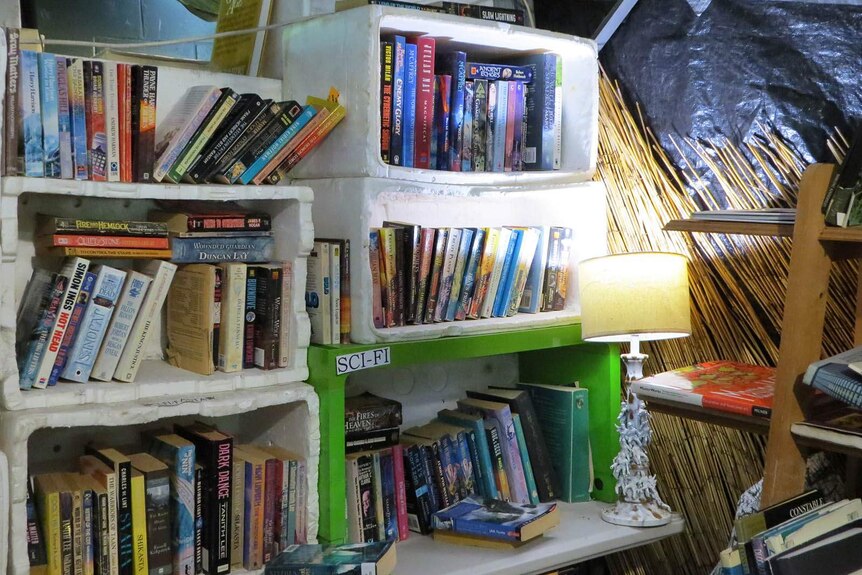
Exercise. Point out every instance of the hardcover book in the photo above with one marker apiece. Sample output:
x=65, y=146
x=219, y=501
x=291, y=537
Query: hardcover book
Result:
x=722, y=385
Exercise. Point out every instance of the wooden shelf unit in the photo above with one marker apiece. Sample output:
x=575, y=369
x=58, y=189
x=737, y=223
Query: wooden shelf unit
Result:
x=748, y=423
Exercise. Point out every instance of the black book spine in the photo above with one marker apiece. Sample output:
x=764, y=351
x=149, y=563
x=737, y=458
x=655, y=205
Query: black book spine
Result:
x=437, y=455
x=159, y=559
x=267, y=324
x=418, y=492
x=66, y=535
x=234, y=150
x=365, y=440
x=259, y=144
x=401, y=274
x=144, y=86
x=199, y=517
x=250, y=319
x=509, y=15
x=249, y=107
x=217, y=316
x=102, y=534
x=35, y=541
x=216, y=117
x=499, y=467
x=60, y=225
x=428, y=471
x=11, y=122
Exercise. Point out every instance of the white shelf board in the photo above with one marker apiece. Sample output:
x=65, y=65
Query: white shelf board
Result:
x=157, y=379
x=516, y=322
x=15, y=186
x=581, y=535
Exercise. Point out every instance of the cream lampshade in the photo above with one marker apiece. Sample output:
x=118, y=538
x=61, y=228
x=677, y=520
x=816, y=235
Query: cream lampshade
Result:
x=634, y=297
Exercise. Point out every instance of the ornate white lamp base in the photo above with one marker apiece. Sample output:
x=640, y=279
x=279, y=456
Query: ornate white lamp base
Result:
x=638, y=514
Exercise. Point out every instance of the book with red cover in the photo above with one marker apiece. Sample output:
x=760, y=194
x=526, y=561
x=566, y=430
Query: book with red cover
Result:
x=424, y=100
x=721, y=385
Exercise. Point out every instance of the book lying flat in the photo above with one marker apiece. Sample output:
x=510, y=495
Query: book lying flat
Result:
x=838, y=376
x=762, y=215
x=495, y=519
x=376, y=558
x=722, y=385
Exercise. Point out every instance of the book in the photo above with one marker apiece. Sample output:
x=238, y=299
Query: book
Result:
x=33, y=304
x=396, y=143
x=832, y=552
x=368, y=412
x=49, y=108
x=255, y=470
x=377, y=313
x=393, y=305
x=179, y=126
x=205, y=249
x=157, y=508
x=286, y=511
x=417, y=490
x=497, y=519
x=377, y=482
x=94, y=101
x=410, y=79
x=361, y=504
x=112, y=120
x=316, y=288
x=403, y=524
x=441, y=239
x=48, y=498
x=447, y=272
x=32, y=341
x=492, y=72
x=232, y=309
x=482, y=465
x=490, y=125
x=334, y=291
x=540, y=110
x=258, y=128
x=344, y=288
x=29, y=101
x=94, y=323
x=257, y=170
x=374, y=558
x=525, y=460
x=424, y=121
x=145, y=80
x=185, y=216
x=11, y=124
x=531, y=298
x=387, y=57
x=197, y=540
x=835, y=376
x=367, y=440
x=178, y=455
x=237, y=512
x=455, y=65
x=101, y=241
x=93, y=499
x=51, y=225
x=442, y=117
x=507, y=273
x=448, y=475
x=214, y=452
x=407, y=249
x=149, y=313
x=461, y=261
x=120, y=326
x=512, y=118
x=106, y=477
x=480, y=122
x=423, y=275
x=124, y=96
x=78, y=118
x=64, y=119
x=189, y=319
x=467, y=130
x=122, y=469
x=496, y=14
x=490, y=286
x=106, y=253
x=521, y=271
x=267, y=329
x=722, y=385
x=139, y=524
x=500, y=120
x=72, y=329
x=557, y=269
x=565, y=426
x=521, y=403
x=36, y=552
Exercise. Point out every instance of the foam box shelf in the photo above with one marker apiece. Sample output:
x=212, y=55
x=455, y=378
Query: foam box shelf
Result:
x=343, y=49
x=43, y=440
x=22, y=198
x=350, y=207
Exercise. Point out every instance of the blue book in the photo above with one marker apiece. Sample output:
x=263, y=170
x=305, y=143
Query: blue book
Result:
x=470, y=271
x=346, y=559
x=500, y=119
x=37, y=343
x=31, y=114
x=504, y=288
x=179, y=455
x=396, y=142
x=464, y=248
x=94, y=323
x=467, y=139
x=387, y=482
x=409, y=146
x=482, y=466
x=48, y=98
x=495, y=519
x=72, y=329
x=213, y=249
x=540, y=101
x=451, y=467
x=442, y=116
x=525, y=460
x=64, y=120
x=418, y=490
x=462, y=452
x=517, y=156
x=531, y=299
x=78, y=115
x=454, y=64
x=260, y=163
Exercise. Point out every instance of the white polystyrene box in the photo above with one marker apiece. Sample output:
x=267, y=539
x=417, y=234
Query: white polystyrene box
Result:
x=4, y=512
x=343, y=50
x=43, y=440
x=350, y=207
x=22, y=198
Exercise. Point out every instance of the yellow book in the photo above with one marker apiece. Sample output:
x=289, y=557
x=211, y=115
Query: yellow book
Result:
x=486, y=266
x=139, y=523
x=124, y=253
x=48, y=500
x=190, y=318
x=255, y=479
x=389, y=272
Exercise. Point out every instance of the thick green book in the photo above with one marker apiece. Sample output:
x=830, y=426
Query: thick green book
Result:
x=564, y=420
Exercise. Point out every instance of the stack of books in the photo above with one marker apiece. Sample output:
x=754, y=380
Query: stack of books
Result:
x=327, y=291
x=82, y=119
x=493, y=446
x=440, y=110
x=426, y=275
x=804, y=534
x=192, y=502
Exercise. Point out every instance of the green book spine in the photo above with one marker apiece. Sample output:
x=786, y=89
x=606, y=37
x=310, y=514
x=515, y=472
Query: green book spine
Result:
x=525, y=460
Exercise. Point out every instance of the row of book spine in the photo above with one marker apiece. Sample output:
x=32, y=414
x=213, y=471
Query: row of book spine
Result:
x=426, y=275
x=327, y=291
x=88, y=321
x=441, y=111
x=194, y=502
x=79, y=119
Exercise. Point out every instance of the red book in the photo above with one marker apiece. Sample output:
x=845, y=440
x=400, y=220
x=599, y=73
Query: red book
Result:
x=85, y=241
x=510, y=128
x=400, y=492
x=721, y=385
x=424, y=124
x=124, y=91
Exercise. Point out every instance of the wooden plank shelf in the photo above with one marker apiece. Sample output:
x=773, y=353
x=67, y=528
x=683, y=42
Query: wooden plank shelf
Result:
x=722, y=227
x=833, y=440
x=750, y=424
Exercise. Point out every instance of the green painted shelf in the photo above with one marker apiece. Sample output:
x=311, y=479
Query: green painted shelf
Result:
x=545, y=355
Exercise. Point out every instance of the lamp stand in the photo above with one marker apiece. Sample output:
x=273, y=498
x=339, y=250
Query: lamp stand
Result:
x=638, y=503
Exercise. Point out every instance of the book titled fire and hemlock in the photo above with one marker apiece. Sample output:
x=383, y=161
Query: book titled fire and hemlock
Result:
x=192, y=501
x=96, y=120
x=93, y=322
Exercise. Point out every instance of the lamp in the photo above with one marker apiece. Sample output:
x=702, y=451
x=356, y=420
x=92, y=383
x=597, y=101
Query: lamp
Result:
x=632, y=298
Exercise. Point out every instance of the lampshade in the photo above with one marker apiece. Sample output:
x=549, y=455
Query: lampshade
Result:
x=641, y=294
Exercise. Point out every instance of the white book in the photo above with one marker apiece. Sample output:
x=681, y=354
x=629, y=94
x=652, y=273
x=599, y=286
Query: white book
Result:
x=134, y=291
x=314, y=294
x=75, y=269
x=558, y=115
x=232, y=331
x=112, y=120
x=822, y=525
x=130, y=360
x=335, y=291
x=183, y=120
x=496, y=273
x=285, y=340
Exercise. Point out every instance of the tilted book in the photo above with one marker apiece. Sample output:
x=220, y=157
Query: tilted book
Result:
x=482, y=465
x=134, y=291
x=178, y=128
x=72, y=329
x=33, y=342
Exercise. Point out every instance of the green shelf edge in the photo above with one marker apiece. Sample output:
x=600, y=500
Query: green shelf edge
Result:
x=546, y=355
